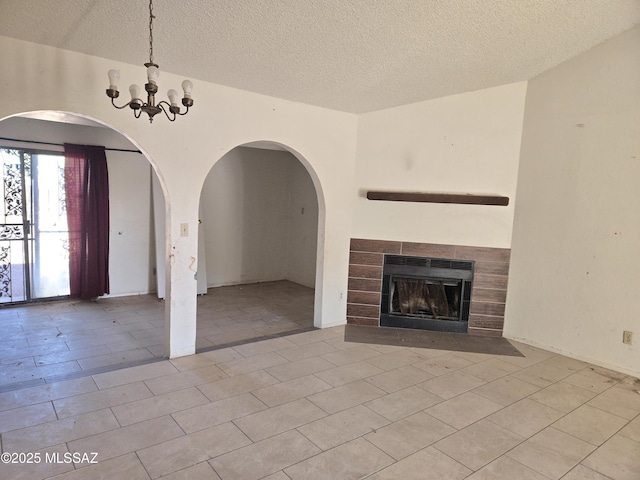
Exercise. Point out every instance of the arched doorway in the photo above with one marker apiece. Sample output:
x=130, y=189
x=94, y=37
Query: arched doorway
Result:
x=127, y=325
x=259, y=210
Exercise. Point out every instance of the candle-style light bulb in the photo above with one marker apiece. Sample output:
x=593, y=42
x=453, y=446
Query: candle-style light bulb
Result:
x=114, y=77
x=187, y=86
x=173, y=97
x=153, y=73
x=134, y=90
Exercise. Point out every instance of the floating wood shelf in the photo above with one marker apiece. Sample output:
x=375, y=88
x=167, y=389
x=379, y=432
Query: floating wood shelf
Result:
x=460, y=198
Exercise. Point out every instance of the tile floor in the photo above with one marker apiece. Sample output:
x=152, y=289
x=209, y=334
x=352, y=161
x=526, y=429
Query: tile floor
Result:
x=61, y=339
x=339, y=403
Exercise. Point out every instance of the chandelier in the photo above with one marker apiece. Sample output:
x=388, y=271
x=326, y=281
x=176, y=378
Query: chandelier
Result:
x=171, y=109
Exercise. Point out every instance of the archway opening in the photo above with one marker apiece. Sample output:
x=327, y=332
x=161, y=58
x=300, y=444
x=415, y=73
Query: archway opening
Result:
x=72, y=337
x=258, y=243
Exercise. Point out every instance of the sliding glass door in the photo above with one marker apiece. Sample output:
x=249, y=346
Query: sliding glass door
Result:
x=33, y=230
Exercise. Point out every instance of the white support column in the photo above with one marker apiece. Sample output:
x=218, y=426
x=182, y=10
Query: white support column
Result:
x=181, y=288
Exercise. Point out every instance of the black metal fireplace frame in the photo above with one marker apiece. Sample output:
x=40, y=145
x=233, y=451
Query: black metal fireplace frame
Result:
x=434, y=269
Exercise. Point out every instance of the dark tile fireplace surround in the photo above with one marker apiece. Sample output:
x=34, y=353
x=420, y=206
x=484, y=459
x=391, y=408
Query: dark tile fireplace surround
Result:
x=488, y=294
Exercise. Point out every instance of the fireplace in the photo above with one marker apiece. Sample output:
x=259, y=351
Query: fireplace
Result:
x=426, y=293
x=490, y=275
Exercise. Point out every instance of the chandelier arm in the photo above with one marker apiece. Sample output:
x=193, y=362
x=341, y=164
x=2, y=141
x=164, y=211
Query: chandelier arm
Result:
x=119, y=108
x=161, y=105
x=185, y=112
x=137, y=112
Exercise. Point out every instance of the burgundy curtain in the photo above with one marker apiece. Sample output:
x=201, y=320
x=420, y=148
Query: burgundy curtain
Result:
x=87, y=198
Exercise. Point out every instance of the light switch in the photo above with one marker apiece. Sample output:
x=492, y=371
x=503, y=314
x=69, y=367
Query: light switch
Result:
x=184, y=229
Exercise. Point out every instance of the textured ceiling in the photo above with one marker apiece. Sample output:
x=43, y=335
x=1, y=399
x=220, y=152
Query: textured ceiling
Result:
x=349, y=55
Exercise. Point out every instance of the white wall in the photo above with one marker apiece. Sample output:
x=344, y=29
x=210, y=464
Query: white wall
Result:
x=467, y=143
x=250, y=230
x=575, y=269
x=131, y=254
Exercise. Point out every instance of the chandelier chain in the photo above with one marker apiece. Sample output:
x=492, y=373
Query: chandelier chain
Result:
x=151, y=17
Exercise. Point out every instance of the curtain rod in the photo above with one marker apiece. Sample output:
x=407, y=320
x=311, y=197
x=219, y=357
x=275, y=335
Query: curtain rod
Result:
x=62, y=145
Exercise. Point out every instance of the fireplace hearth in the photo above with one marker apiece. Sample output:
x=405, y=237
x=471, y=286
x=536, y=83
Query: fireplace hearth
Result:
x=426, y=293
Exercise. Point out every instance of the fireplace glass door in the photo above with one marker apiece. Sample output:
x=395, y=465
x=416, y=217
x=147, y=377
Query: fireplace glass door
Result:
x=426, y=293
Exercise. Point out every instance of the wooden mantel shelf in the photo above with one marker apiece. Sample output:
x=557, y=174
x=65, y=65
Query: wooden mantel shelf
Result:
x=459, y=198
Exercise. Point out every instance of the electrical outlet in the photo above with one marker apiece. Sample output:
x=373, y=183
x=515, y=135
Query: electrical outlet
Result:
x=627, y=337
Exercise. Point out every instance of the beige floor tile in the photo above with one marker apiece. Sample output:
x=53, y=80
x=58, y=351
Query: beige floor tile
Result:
x=451, y=385
x=489, y=370
x=277, y=476
x=291, y=390
x=307, y=338
x=591, y=380
x=563, y=396
x=252, y=364
x=567, y=363
x=632, y=430
x=300, y=368
x=121, y=441
x=463, y=410
x=551, y=452
x=403, y=403
x=526, y=417
x=396, y=358
x=59, y=431
x=542, y=374
x=399, y=378
x=186, y=451
x=350, y=355
x=37, y=471
x=346, y=396
x=342, y=427
x=9, y=376
x=260, y=425
x=185, y=379
x=618, y=458
x=158, y=406
x=218, y=412
x=92, y=401
x=504, y=468
x=580, y=472
x=102, y=340
x=442, y=364
x=506, y=390
x=201, y=471
x=267, y=457
x=407, y=436
x=590, y=424
x=71, y=355
x=134, y=374
x=230, y=387
x=353, y=460
x=126, y=356
x=264, y=346
x=22, y=417
x=308, y=350
x=621, y=401
x=348, y=373
x=222, y=355
x=191, y=362
x=45, y=392
x=127, y=466
x=427, y=464
x=478, y=444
